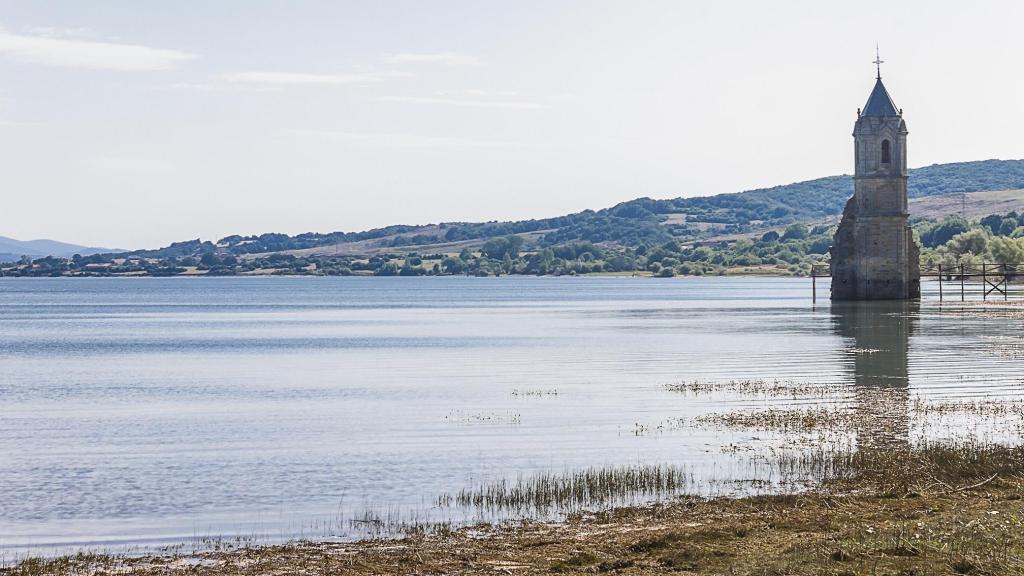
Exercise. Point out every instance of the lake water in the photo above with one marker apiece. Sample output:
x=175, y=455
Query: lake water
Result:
x=157, y=411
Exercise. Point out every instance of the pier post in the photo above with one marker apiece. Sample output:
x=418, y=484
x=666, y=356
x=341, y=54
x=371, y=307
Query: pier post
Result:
x=940, y=282
x=984, y=282
x=1006, y=283
x=814, y=286
x=961, y=282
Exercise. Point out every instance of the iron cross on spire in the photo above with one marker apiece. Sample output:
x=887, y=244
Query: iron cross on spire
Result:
x=878, y=63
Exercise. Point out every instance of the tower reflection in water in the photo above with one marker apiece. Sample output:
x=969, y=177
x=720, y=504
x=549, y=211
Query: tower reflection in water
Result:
x=877, y=340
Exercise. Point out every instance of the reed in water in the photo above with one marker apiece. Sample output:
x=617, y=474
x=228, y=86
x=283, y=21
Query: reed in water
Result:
x=573, y=490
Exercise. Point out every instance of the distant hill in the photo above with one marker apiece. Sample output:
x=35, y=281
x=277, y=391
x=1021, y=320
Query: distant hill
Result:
x=12, y=250
x=631, y=223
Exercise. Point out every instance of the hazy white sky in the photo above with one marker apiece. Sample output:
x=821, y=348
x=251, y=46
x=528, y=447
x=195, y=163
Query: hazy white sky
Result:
x=136, y=123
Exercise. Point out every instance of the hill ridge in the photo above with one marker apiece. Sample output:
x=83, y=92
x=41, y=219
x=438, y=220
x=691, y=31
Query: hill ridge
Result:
x=42, y=247
x=652, y=220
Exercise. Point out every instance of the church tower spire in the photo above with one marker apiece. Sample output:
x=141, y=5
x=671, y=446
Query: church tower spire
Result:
x=879, y=102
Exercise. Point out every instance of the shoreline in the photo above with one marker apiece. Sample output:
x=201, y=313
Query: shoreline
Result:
x=637, y=274
x=860, y=527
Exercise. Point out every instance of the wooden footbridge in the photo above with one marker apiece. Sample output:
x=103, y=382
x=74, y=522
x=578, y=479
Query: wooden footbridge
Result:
x=963, y=280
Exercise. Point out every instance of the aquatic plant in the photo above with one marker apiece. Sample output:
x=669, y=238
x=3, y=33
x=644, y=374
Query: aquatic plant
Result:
x=571, y=490
x=760, y=387
x=783, y=420
x=989, y=407
x=463, y=417
x=534, y=392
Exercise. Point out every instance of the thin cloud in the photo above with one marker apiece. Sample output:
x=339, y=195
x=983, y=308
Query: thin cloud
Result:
x=447, y=58
x=477, y=92
x=128, y=165
x=395, y=139
x=215, y=87
x=52, y=32
x=50, y=50
x=299, y=78
x=464, y=102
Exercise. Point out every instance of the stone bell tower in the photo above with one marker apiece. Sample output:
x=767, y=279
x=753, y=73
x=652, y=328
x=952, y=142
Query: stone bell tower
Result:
x=874, y=256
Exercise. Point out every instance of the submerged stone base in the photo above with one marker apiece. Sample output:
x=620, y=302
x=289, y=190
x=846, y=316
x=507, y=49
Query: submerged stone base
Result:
x=874, y=257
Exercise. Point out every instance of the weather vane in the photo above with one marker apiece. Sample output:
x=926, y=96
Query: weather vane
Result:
x=878, y=63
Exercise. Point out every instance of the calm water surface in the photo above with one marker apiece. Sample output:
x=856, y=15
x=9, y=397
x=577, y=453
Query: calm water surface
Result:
x=148, y=411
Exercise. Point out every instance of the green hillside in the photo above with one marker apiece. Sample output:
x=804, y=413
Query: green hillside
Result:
x=646, y=220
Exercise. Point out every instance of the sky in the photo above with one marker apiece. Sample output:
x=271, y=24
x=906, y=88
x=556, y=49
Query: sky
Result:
x=136, y=123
